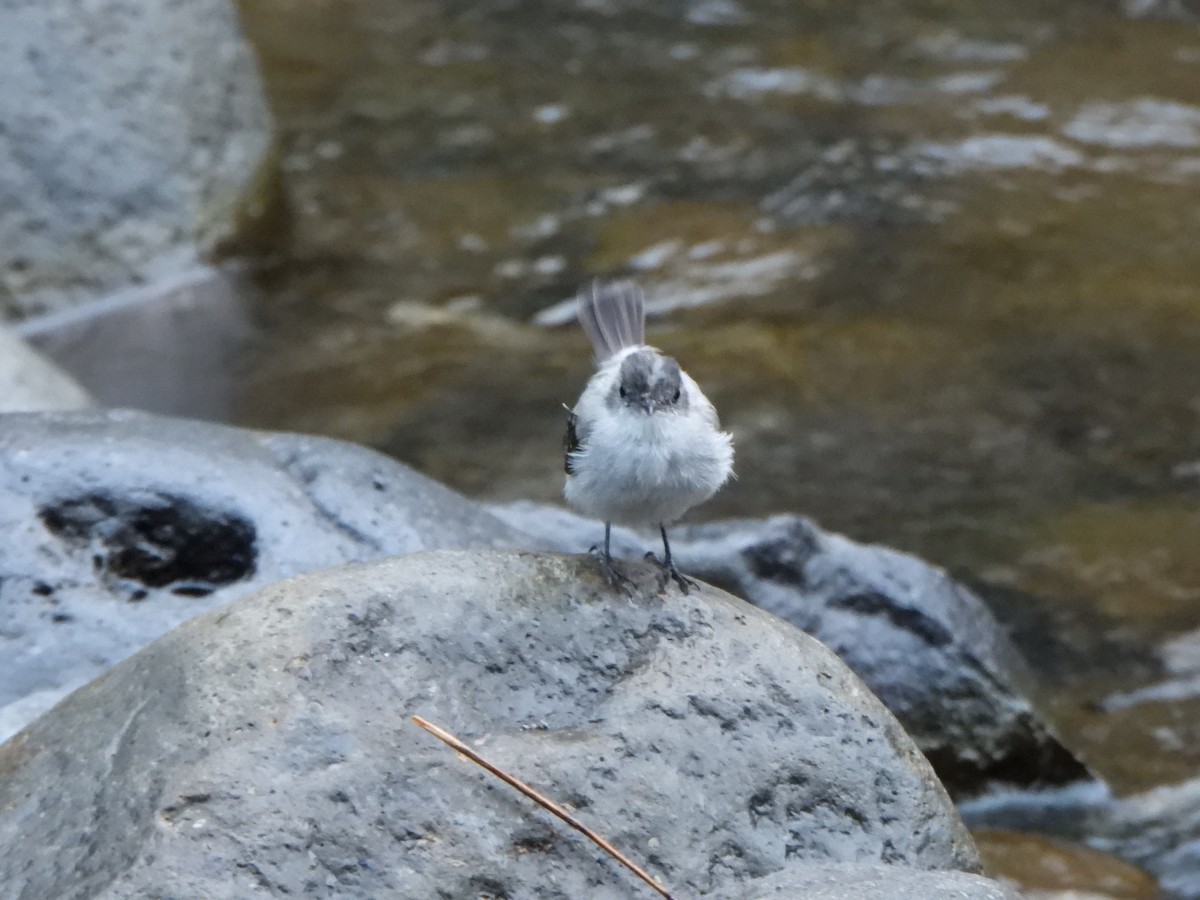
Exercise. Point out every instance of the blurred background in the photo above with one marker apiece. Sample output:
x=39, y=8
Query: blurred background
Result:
x=935, y=262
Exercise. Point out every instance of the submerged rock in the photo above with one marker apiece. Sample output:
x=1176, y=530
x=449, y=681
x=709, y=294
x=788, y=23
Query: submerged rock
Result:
x=267, y=746
x=927, y=646
x=119, y=526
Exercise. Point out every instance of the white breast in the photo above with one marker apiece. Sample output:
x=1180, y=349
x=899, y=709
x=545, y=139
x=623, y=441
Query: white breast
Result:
x=639, y=469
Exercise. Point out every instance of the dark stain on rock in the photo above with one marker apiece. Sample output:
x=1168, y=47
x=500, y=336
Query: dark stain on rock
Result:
x=783, y=559
x=534, y=841
x=483, y=886
x=871, y=603
x=170, y=813
x=157, y=539
x=1031, y=758
x=14, y=753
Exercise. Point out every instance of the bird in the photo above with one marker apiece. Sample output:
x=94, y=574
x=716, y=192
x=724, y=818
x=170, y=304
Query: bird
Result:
x=643, y=444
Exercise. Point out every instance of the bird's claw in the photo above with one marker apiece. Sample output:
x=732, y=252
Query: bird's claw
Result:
x=612, y=574
x=668, y=573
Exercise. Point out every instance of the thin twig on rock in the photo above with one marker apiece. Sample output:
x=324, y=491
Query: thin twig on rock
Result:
x=544, y=802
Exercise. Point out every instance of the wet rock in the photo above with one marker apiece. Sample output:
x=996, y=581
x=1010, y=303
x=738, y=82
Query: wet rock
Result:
x=1158, y=829
x=118, y=526
x=135, y=137
x=267, y=747
x=927, y=646
x=29, y=381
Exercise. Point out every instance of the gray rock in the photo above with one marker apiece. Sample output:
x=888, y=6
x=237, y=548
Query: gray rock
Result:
x=134, y=135
x=265, y=748
x=118, y=526
x=927, y=646
x=29, y=381
x=867, y=882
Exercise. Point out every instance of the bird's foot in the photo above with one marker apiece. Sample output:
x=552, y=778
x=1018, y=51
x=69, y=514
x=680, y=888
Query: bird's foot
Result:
x=612, y=574
x=668, y=573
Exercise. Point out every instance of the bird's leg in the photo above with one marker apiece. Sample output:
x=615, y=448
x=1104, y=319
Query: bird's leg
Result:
x=669, y=572
x=608, y=566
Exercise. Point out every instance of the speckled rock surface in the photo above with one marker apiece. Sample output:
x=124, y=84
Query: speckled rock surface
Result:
x=118, y=526
x=134, y=136
x=926, y=645
x=122, y=525
x=265, y=748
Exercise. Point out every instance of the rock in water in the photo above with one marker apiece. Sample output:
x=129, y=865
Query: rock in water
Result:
x=927, y=646
x=134, y=137
x=119, y=526
x=265, y=747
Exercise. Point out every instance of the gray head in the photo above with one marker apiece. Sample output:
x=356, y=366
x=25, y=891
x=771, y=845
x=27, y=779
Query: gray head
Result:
x=649, y=382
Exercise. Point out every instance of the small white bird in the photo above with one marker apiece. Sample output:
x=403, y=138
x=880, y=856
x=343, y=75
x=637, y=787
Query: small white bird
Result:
x=643, y=444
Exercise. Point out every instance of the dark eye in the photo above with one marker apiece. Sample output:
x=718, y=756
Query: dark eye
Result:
x=675, y=399
x=622, y=390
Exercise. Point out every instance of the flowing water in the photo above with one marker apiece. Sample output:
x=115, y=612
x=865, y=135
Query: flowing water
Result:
x=935, y=262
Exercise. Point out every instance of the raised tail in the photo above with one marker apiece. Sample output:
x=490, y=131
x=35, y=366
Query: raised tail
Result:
x=613, y=316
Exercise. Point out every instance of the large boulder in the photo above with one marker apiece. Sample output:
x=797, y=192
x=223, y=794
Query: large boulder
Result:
x=927, y=646
x=136, y=136
x=121, y=525
x=29, y=381
x=265, y=748
x=118, y=526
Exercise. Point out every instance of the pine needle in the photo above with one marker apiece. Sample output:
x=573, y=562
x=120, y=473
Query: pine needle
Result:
x=544, y=802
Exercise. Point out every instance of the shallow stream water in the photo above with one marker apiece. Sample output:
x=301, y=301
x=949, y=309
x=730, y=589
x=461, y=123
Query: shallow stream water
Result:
x=935, y=262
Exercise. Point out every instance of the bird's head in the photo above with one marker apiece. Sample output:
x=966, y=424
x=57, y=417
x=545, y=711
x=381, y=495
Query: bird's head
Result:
x=649, y=382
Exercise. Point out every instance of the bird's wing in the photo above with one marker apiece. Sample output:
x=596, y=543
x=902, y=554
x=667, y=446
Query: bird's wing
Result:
x=613, y=315
x=570, y=443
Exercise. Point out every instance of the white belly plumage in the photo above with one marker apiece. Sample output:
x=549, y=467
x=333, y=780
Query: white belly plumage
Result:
x=631, y=467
